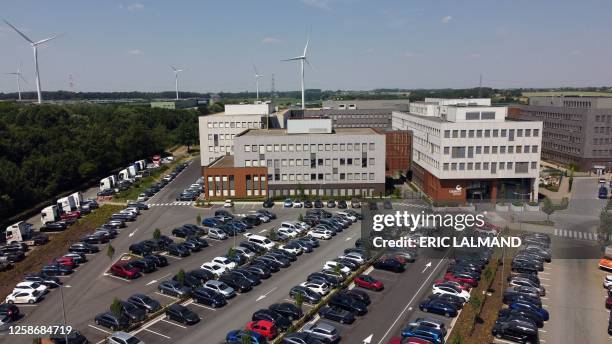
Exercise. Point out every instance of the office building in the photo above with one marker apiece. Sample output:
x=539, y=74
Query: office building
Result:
x=577, y=130
x=309, y=157
x=175, y=104
x=367, y=104
x=466, y=151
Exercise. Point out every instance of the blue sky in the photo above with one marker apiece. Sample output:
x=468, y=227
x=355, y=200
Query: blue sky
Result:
x=355, y=44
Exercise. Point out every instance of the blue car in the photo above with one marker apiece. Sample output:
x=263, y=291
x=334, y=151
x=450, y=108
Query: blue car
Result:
x=288, y=203
x=424, y=332
x=211, y=222
x=438, y=307
x=526, y=305
x=235, y=337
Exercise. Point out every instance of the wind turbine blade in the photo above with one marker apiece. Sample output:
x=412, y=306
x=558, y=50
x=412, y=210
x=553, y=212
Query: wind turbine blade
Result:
x=22, y=78
x=47, y=39
x=12, y=73
x=255, y=69
x=294, y=58
x=174, y=69
x=19, y=32
x=311, y=67
x=306, y=46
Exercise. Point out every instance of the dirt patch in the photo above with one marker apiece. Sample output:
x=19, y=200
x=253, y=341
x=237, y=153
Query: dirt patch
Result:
x=57, y=246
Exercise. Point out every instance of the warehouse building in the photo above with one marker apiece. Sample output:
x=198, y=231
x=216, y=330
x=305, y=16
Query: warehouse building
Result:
x=466, y=151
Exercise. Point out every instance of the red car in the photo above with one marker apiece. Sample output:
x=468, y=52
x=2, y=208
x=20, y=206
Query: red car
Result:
x=125, y=270
x=398, y=258
x=454, y=282
x=65, y=261
x=609, y=302
x=71, y=216
x=368, y=282
x=263, y=327
x=461, y=278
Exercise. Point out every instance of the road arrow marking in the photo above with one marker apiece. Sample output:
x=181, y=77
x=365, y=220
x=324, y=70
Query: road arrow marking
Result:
x=368, y=339
x=152, y=282
x=134, y=232
x=261, y=297
x=426, y=266
x=347, y=239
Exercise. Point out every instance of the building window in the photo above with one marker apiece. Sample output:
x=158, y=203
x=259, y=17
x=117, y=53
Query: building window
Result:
x=454, y=166
x=495, y=132
x=445, y=166
x=527, y=132
x=493, y=149
x=487, y=115
x=458, y=152
x=488, y=133
x=518, y=149
x=534, y=165
x=486, y=149
x=471, y=133
x=461, y=166
x=536, y=132
x=509, y=165
x=526, y=149
x=520, y=167
x=485, y=165
x=477, y=166
x=478, y=149
x=502, y=149
x=277, y=148
x=446, y=150
x=327, y=147
x=371, y=176
x=519, y=132
x=510, y=149
x=479, y=133
x=470, y=166
x=455, y=133
x=503, y=133
x=472, y=116
x=247, y=148
x=534, y=149
x=463, y=133
x=447, y=134
x=502, y=165
x=372, y=147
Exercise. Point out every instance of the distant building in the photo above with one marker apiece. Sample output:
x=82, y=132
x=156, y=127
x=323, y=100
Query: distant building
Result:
x=308, y=157
x=465, y=150
x=175, y=104
x=577, y=130
x=390, y=104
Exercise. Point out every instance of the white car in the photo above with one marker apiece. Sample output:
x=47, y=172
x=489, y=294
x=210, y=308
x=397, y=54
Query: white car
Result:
x=444, y=289
x=607, y=281
x=353, y=256
x=225, y=262
x=350, y=217
x=303, y=225
x=318, y=287
x=30, y=286
x=244, y=251
x=260, y=240
x=320, y=234
x=264, y=218
x=331, y=265
x=23, y=296
x=228, y=203
x=214, y=268
x=298, y=204
x=296, y=251
x=287, y=231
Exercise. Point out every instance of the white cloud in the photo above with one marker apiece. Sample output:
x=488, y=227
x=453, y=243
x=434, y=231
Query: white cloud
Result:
x=270, y=40
x=409, y=54
x=446, y=20
x=135, y=52
x=135, y=7
x=320, y=4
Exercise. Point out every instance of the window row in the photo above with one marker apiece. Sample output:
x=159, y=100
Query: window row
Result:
x=310, y=147
x=510, y=133
x=313, y=163
x=321, y=176
x=519, y=167
x=470, y=151
x=245, y=124
x=221, y=136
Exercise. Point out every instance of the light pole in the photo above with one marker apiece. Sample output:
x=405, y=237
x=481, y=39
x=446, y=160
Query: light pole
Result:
x=61, y=288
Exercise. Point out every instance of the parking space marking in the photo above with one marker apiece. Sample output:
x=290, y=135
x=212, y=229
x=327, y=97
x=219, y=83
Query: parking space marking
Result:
x=119, y=278
x=160, y=294
x=173, y=323
x=157, y=333
x=202, y=306
x=171, y=256
x=99, y=329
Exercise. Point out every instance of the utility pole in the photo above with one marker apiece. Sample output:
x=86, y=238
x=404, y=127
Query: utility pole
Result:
x=272, y=88
x=480, y=87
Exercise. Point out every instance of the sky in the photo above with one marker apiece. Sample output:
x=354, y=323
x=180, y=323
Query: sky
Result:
x=354, y=44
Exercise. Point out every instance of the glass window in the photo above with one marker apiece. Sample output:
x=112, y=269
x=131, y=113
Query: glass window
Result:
x=327, y=147
x=503, y=133
x=447, y=134
x=371, y=146
x=445, y=166
x=446, y=150
x=471, y=133
x=335, y=147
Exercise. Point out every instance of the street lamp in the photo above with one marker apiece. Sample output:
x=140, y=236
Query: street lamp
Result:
x=61, y=288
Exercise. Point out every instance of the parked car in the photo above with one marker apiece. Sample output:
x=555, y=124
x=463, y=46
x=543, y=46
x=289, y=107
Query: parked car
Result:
x=124, y=270
x=119, y=337
x=173, y=288
x=308, y=295
x=439, y=307
x=144, y=302
x=209, y=297
x=277, y=319
x=338, y=314
x=368, y=282
x=323, y=331
x=287, y=310
x=182, y=314
x=220, y=287
x=345, y=301
x=516, y=332
x=110, y=320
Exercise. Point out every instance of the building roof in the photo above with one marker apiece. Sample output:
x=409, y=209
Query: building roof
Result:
x=223, y=162
x=337, y=131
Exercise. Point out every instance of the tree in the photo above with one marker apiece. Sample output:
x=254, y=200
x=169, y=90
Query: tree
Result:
x=605, y=224
x=299, y=300
x=180, y=277
x=502, y=193
x=110, y=251
x=116, y=308
x=187, y=134
x=337, y=270
x=548, y=208
x=246, y=339
x=231, y=253
x=157, y=233
x=301, y=217
x=198, y=220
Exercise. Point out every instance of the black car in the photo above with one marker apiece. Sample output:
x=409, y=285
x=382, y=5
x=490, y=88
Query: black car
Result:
x=281, y=261
x=278, y=319
x=158, y=260
x=82, y=247
x=307, y=204
x=202, y=275
x=318, y=204
x=54, y=226
x=318, y=276
x=267, y=213
x=74, y=337
x=110, y=320
x=208, y=297
x=132, y=312
x=138, y=205
x=453, y=300
x=95, y=239
x=9, y=310
x=519, y=332
x=251, y=277
x=338, y=314
x=351, y=264
x=331, y=203
x=201, y=241
x=143, y=265
x=358, y=295
x=255, y=248
x=260, y=270
x=511, y=297
x=178, y=250
x=342, y=204
x=56, y=270
x=282, y=253
x=389, y=265
x=347, y=302
x=144, y=302
x=49, y=281
x=193, y=245
x=140, y=249
x=306, y=247
x=155, y=245
x=309, y=296
x=287, y=310
x=239, y=284
x=182, y=232
x=182, y=314
x=272, y=265
x=189, y=281
x=252, y=219
x=268, y=203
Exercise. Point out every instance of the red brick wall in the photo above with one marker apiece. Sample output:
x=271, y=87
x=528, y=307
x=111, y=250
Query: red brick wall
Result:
x=398, y=151
x=240, y=179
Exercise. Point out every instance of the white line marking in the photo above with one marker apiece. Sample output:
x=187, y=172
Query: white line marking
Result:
x=99, y=329
x=202, y=306
x=157, y=333
x=160, y=294
x=173, y=323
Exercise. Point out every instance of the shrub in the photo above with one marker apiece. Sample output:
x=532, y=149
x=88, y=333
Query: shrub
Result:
x=157, y=233
x=180, y=277
x=116, y=307
x=110, y=251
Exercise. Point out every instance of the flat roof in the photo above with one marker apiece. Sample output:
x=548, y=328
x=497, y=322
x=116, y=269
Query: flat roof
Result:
x=224, y=161
x=337, y=131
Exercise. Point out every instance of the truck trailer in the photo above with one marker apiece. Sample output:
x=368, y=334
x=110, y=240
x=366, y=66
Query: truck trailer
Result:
x=108, y=183
x=19, y=232
x=49, y=214
x=66, y=204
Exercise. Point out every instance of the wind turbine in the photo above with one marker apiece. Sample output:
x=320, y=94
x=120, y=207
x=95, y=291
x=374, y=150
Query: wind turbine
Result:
x=257, y=76
x=176, y=73
x=18, y=77
x=35, y=49
x=302, y=59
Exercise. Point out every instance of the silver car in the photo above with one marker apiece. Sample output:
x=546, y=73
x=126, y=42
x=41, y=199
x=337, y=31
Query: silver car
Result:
x=216, y=233
x=323, y=331
x=220, y=287
x=123, y=338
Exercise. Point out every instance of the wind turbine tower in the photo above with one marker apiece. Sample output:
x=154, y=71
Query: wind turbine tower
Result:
x=18, y=77
x=176, y=73
x=257, y=76
x=35, y=50
x=302, y=59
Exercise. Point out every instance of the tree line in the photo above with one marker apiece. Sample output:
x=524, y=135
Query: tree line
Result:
x=47, y=149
